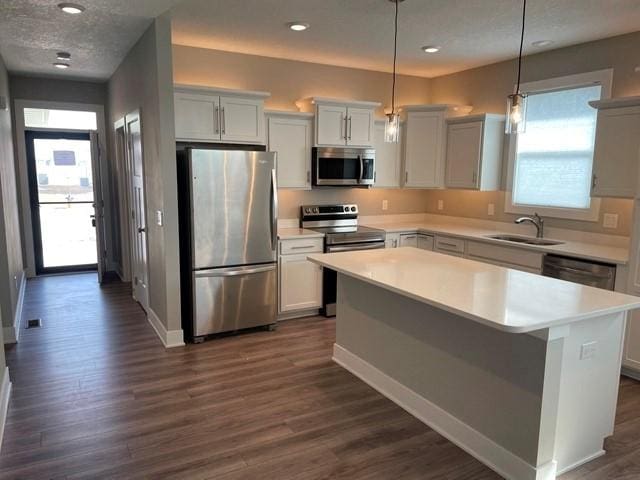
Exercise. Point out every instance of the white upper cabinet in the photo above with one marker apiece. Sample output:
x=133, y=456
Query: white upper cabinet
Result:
x=388, y=159
x=343, y=123
x=474, y=152
x=290, y=135
x=425, y=137
x=219, y=115
x=360, y=127
x=617, y=148
x=331, y=121
x=196, y=116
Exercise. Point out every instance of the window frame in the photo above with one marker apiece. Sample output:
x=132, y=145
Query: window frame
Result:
x=604, y=78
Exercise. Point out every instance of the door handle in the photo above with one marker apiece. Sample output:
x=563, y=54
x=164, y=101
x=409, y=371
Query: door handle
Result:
x=93, y=220
x=594, y=181
x=141, y=229
x=234, y=272
x=274, y=209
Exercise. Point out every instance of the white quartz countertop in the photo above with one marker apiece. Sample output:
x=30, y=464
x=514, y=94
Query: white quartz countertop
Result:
x=292, y=233
x=502, y=298
x=588, y=251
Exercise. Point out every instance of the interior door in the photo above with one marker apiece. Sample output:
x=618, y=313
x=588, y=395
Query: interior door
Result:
x=61, y=187
x=98, y=205
x=138, y=210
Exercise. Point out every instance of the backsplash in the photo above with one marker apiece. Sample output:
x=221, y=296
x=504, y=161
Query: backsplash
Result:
x=472, y=204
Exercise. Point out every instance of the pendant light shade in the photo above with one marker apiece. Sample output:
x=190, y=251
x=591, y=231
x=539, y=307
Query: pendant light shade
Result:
x=517, y=102
x=392, y=128
x=392, y=125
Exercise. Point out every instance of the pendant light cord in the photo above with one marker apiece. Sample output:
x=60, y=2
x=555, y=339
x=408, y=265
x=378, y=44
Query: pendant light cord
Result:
x=395, y=56
x=524, y=12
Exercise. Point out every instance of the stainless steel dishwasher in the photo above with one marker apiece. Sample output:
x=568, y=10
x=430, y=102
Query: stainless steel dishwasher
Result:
x=594, y=274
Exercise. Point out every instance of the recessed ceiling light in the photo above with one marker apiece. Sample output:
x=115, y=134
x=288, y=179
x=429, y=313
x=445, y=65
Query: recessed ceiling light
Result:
x=72, y=8
x=63, y=56
x=61, y=65
x=431, y=49
x=542, y=43
x=298, y=26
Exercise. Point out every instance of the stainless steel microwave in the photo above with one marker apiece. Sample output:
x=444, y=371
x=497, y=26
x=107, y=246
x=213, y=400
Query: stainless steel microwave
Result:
x=343, y=167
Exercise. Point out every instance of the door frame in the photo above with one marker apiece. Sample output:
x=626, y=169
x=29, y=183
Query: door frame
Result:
x=120, y=157
x=34, y=197
x=24, y=200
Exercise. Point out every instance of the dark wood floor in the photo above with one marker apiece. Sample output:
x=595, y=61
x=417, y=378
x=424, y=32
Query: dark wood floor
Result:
x=95, y=395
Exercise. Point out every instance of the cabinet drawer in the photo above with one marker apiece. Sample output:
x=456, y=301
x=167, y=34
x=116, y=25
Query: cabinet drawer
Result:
x=512, y=256
x=302, y=245
x=452, y=245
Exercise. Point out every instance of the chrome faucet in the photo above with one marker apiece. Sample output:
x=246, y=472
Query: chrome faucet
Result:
x=537, y=221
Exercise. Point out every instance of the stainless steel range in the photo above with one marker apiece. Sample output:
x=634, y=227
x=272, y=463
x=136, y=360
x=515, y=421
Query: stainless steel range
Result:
x=339, y=223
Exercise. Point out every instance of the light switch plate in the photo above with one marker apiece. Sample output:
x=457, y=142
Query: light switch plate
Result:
x=491, y=209
x=610, y=220
x=440, y=204
x=159, y=218
x=385, y=204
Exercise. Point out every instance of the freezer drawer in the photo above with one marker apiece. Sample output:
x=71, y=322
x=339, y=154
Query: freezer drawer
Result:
x=229, y=299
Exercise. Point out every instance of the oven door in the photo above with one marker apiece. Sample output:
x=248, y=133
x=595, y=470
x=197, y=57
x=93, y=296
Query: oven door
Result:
x=329, y=277
x=337, y=167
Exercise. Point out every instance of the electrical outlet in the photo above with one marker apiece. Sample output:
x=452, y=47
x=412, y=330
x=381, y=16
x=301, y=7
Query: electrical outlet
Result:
x=159, y=218
x=385, y=204
x=491, y=209
x=440, y=204
x=588, y=350
x=610, y=220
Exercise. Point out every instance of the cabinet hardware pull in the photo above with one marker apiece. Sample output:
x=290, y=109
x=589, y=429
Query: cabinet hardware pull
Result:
x=345, y=127
x=216, y=119
x=349, y=127
x=224, y=122
x=302, y=247
x=445, y=244
x=308, y=176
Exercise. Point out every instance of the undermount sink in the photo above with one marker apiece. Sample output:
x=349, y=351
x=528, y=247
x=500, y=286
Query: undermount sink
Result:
x=525, y=240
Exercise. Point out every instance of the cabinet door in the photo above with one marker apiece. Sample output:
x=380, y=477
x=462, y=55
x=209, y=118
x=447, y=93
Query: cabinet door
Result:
x=387, y=160
x=360, y=127
x=290, y=138
x=409, y=240
x=424, y=162
x=331, y=125
x=241, y=120
x=392, y=240
x=196, y=117
x=616, y=154
x=300, y=283
x=425, y=242
x=464, y=154
x=631, y=356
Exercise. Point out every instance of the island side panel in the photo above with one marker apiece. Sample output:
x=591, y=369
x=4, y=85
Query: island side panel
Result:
x=490, y=380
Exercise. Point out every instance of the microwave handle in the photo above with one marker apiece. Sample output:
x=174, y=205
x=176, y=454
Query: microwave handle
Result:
x=361, y=169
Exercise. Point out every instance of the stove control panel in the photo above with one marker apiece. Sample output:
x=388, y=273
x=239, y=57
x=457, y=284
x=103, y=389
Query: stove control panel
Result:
x=322, y=210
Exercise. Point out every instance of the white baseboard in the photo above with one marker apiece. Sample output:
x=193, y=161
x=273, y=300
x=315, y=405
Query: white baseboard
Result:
x=5, y=393
x=298, y=314
x=169, y=338
x=631, y=373
x=473, y=442
x=582, y=462
x=12, y=334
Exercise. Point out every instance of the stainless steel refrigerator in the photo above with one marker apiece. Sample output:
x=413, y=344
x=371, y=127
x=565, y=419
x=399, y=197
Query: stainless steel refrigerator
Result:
x=228, y=221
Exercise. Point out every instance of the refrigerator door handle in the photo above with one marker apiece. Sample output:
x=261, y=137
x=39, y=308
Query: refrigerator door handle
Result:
x=274, y=209
x=234, y=271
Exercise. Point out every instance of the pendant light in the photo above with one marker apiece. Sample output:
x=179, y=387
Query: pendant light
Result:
x=517, y=102
x=392, y=126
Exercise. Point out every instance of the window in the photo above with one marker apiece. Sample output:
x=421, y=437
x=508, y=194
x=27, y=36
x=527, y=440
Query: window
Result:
x=62, y=119
x=551, y=162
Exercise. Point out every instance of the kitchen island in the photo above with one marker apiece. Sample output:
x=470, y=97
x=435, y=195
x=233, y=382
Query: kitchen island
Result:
x=519, y=370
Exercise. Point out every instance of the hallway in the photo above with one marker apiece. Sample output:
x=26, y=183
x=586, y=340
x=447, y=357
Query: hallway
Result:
x=96, y=395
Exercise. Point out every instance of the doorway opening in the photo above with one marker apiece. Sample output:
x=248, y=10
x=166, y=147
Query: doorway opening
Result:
x=62, y=191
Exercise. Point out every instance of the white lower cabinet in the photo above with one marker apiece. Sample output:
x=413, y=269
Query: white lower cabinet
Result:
x=449, y=245
x=516, y=258
x=392, y=240
x=300, y=280
x=425, y=242
x=631, y=353
x=408, y=239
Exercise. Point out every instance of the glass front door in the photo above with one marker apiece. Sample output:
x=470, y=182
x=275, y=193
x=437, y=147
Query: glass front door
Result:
x=61, y=189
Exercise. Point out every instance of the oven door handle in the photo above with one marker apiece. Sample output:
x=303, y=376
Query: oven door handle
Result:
x=350, y=248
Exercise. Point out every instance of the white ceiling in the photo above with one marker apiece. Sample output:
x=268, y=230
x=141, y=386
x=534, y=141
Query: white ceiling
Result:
x=32, y=31
x=359, y=33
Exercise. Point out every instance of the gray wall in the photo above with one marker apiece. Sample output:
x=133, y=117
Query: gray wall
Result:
x=11, y=268
x=144, y=81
